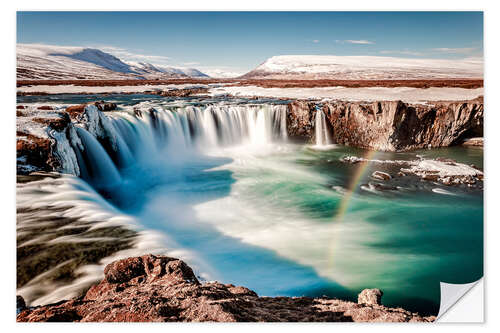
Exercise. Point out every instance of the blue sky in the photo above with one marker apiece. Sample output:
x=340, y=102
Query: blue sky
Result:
x=240, y=41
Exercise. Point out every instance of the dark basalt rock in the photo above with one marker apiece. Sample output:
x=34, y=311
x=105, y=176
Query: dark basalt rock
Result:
x=105, y=106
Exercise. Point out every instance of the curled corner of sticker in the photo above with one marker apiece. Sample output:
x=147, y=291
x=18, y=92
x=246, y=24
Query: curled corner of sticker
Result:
x=451, y=296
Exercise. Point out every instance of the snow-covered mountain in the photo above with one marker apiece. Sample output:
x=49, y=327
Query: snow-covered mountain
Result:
x=38, y=61
x=365, y=68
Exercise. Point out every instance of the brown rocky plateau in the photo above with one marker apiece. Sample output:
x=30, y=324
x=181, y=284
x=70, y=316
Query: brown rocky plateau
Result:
x=270, y=83
x=159, y=288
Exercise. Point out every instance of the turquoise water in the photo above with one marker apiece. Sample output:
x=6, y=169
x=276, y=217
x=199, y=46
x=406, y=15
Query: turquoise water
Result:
x=273, y=221
x=289, y=219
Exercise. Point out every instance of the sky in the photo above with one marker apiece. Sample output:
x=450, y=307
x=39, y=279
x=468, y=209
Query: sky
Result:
x=239, y=41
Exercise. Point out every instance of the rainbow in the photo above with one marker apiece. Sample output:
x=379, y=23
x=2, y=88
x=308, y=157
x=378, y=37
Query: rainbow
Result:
x=346, y=199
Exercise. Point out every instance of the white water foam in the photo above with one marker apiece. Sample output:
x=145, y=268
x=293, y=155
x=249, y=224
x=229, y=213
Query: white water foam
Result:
x=321, y=130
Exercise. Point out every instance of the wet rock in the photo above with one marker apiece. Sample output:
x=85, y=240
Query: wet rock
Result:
x=138, y=112
x=58, y=123
x=45, y=107
x=380, y=187
x=352, y=159
x=381, y=175
x=20, y=304
x=158, y=288
x=75, y=110
x=431, y=177
x=477, y=142
x=370, y=297
x=34, y=152
x=182, y=92
x=105, y=106
x=447, y=181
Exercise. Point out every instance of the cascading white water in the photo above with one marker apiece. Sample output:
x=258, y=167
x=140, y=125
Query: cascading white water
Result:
x=99, y=166
x=262, y=220
x=106, y=144
x=321, y=131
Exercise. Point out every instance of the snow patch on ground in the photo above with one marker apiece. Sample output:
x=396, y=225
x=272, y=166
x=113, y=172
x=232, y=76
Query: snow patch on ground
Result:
x=72, y=89
x=371, y=67
x=442, y=169
x=25, y=123
x=41, y=61
x=406, y=94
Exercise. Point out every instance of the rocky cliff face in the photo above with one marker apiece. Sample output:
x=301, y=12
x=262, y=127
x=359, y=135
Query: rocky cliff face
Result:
x=157, y=288
x=390, y=125
x=37, y=130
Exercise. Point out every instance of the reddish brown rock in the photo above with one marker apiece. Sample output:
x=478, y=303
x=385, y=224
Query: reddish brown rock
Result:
x=75, y=110
x=157, y=288
x=57, y=123
x=390, y=125
x=300, y=119
x=35, y=151
x=431, y=177
x=266, y=83
x=45, y=107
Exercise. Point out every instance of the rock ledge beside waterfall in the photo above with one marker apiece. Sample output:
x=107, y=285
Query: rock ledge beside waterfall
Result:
x=389, y=125
x=159, y=288
x=45, y=134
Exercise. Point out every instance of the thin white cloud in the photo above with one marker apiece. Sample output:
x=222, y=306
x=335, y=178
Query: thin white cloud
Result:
x=126, y=55
x=192, y=63
x=359, y=41
x=461, y=50
x=315, y=41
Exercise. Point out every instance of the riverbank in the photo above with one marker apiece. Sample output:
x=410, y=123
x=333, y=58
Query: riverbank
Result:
x=155, y=288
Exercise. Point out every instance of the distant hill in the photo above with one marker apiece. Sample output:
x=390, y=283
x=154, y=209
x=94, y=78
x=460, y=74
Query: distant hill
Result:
x=37, y=61
x=364, y=68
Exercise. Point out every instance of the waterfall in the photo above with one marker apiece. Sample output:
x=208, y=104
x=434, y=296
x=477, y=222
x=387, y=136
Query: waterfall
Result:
x=103, y=145
x=321, y=131
x=98, y=164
